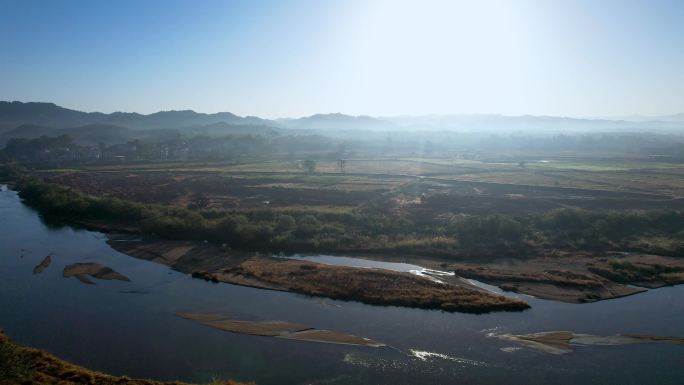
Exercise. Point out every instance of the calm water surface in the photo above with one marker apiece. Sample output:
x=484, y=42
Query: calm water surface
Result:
x=107, y=328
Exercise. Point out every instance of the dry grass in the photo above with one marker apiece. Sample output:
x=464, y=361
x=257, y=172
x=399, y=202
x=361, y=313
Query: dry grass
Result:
x=555, y=277
x=372, y=286
x=22, y=365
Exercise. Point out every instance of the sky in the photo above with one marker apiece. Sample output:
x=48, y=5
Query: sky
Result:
x=282, y=58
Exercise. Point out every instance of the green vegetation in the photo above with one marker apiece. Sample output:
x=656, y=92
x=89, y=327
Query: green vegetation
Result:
x=607, y=165
x=10, y=171
x=15, y=364
x=309, y=166
x=600, y=230
x=373, y=227
x=261, y=229
x=640, y=272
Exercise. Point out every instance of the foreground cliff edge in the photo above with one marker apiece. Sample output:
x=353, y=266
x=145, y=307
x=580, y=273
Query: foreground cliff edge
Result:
x=23, y=365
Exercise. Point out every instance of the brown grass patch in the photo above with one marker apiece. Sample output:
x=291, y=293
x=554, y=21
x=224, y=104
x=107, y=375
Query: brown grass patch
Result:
x=372, y=286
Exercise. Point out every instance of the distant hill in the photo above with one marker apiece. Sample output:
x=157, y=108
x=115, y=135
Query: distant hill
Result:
x=15, y=114
x=95, y=133
x=87, y=134
x=92, y=134
x=527, y=123
x=664, y=118
x=34, y=119
x=337, y=121
x=223, y=128
x=177, y=119
x=28, y=131
x=674, y=118
x=478, y=123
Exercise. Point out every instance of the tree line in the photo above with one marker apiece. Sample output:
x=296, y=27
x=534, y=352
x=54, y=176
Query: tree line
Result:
x=370, y=228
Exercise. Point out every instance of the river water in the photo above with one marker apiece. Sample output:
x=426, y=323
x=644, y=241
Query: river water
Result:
x=130, y=328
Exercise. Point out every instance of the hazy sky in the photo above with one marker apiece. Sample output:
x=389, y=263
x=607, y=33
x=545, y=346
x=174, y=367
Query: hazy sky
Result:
x=293, y=58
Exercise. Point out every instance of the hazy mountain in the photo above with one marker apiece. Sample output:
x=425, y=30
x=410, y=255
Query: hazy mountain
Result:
x=14, y=114
x=662, y=118
x=526, y=123
x=223, y=128
x=34, y=119
x=87, y=134
x=28, y=131
x=176, y=119
x=95, y=133
x=480, y=123
x=674, y=118
x=337, y=121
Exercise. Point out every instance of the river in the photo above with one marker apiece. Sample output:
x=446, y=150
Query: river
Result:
x=130, y=328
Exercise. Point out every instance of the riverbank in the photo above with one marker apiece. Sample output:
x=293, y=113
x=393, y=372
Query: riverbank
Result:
x=24, y=365
x=577, y=277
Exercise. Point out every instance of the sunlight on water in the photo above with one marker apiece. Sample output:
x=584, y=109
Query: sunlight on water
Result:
x=432, y=274
x=368, y=361
x=425, y=356
x=510, y=349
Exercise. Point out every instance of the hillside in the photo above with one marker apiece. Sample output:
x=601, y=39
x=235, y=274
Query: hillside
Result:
x=15, y=114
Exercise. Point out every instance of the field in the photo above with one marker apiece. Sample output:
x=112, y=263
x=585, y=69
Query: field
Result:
x=437, y=185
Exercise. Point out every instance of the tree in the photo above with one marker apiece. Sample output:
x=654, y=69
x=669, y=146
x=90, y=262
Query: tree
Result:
x=307, y=226
x=342, y=164
x=285, y=223
x=309, y=166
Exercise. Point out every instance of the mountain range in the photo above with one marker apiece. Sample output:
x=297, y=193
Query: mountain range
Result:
x=14, y=114
x=32, y=119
